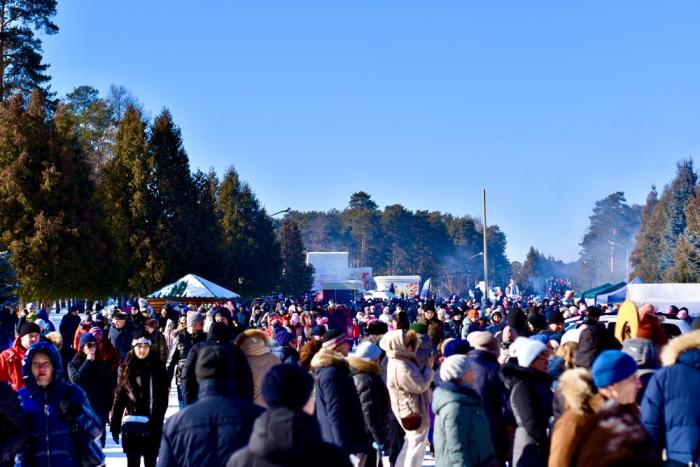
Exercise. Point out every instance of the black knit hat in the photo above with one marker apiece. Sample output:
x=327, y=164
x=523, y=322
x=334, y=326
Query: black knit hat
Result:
x=287, y=386
x=29, y=328
x=213, y=363
x=377, y=328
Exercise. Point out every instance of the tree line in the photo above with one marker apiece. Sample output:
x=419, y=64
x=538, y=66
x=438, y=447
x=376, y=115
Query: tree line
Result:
x=398, y=241
x=97, y=200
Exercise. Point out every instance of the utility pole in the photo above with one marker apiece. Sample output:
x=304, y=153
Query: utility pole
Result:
x=486, y=257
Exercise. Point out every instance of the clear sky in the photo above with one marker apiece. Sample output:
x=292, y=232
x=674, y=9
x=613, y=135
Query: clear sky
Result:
x=548, y=105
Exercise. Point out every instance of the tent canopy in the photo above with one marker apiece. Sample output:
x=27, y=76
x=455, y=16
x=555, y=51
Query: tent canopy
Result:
x=664, y=295
x=591, y=293
x=617, y=295
x=192, y=286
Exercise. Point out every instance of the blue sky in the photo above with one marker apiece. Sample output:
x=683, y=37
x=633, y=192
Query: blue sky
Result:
x=550, y=106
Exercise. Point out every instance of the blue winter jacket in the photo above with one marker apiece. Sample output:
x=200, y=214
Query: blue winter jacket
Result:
x=208, y=431
x=50, y=441
x=671, y=405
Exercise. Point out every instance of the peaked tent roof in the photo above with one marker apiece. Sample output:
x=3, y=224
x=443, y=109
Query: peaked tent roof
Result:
x=591, y=293
x=192, y=286
x=618, y=295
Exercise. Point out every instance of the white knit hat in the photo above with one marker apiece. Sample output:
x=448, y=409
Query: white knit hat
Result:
x=527, y=350
x=368, y=351
x=572, y=335
x=454, y=367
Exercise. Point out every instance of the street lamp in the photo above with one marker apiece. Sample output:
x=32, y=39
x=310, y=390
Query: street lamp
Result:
x=469, y=269
x=627, y=254
x=281, y=212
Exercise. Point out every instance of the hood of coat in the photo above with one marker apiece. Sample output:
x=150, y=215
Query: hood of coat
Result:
x=579, y=392
x=512, y=374
x=361, y=365
x=328, y=357
x=399, y=344
x=284, y=436
x=448, y=393
x=49, y=349
x=253, y=342
x=680, y=345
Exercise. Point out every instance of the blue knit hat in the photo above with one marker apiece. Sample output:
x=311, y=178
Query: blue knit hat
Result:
x=612, y=366
x=85, y=338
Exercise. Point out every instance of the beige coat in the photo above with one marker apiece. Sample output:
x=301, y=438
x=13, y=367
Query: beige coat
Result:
x=409, y=388
x=254, y=344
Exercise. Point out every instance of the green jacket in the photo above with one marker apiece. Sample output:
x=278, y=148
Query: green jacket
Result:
x=461, y=433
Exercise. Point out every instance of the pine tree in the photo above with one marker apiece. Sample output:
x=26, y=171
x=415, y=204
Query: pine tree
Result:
x=297, y=276
x=686, y=267
x=682, y=189
x=21, y=67
x=126, y=200
x=48, y=219
x=94, y=123
x=8, y=281
x=613, y=220
x=361, y=219
x=646, y=255
x=250, y=250
x=173, y=204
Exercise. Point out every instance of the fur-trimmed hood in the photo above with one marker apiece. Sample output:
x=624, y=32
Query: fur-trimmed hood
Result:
x=253, y=342
x=364, y=366
x=577, y=387
x=679, y=345
x=327, y=357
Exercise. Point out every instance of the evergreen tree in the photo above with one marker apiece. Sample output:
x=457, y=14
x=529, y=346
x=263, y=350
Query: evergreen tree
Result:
x=646, y=255
x=173, y=204
x=21, y=67
x=297, y=276
x=8, y=281
x=396, y=232
x=126, y=200
x=48, y=219
x=682, y=189
x=251, y=252
x=686, y=266
x=206, y=257
x=95, y=124
x=613, y=220
x=361, y=219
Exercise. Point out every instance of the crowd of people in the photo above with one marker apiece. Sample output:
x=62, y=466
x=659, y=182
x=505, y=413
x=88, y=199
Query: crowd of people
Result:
x=282, y=382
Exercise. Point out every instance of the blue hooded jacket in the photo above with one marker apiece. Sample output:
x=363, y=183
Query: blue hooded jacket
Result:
x=50, y=442
x=671, y=404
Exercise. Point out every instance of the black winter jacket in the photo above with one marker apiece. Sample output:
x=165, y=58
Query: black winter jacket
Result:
x=531, y=401
x=243, y=376
x=135, y=399
x=67, y=328
x=374, y=398
x=93, y=376
x=207, y=432
x=282, y=437
x=494, y=396
x=13, y=425
x=338, y=408
x=181, y=347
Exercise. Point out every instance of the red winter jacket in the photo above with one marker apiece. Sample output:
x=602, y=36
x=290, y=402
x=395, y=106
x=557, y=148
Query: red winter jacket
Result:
x=11, y=365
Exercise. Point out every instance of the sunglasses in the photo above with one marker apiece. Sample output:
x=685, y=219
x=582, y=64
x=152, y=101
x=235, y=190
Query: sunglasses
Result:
x=90, y=345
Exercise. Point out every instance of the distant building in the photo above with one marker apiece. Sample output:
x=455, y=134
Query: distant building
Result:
x=335, y=279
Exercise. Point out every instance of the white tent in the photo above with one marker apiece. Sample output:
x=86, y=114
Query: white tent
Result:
x=663, y=295
x=192, y=286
